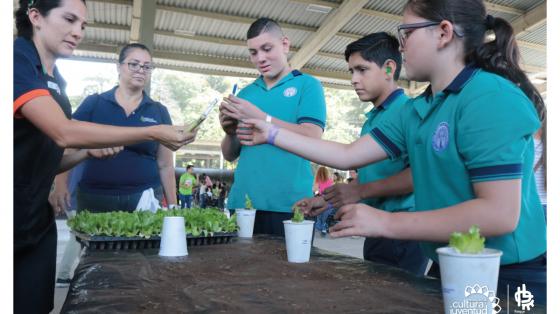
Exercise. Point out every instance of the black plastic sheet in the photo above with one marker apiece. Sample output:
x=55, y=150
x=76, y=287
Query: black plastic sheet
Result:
x=246, y=276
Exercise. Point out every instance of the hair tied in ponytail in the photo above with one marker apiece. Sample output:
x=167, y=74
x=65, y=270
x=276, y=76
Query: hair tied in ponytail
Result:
x=490, y=22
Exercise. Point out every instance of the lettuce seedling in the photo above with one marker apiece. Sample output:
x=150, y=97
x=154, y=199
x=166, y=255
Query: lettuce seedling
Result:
x=248, y=203
x=298, y=215
x=470, y=243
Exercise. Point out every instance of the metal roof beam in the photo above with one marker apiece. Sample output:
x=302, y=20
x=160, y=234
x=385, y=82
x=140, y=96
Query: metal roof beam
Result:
x=394, y=17
x=242, y=43
x=502, y=8
x=530, y=20
x=334, y=22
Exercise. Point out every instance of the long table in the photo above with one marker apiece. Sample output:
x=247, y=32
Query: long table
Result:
x=245, y=276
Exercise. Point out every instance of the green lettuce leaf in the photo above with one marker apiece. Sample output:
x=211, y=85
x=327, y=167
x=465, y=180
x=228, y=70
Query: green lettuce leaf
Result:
x=470, y=243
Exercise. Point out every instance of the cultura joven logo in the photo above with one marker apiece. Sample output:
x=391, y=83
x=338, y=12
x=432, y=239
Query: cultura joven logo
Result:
x=478, y=300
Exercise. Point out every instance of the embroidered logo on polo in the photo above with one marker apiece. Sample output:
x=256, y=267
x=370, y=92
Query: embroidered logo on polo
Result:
x=440, y=139
x=290, y=92
x=54, y=86
x=146, y=119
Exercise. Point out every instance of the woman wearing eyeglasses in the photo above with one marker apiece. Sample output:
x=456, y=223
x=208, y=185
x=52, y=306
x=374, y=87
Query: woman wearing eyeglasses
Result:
x=116, y=184
x=469, y=138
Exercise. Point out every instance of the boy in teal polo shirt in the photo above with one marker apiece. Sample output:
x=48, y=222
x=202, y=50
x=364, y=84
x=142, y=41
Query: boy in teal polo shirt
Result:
x=375, y=64
x=272, y=178
x=469, y=139
x=186, y=184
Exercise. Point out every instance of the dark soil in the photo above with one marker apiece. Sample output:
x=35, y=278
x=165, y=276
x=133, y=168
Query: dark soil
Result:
x=246, y=276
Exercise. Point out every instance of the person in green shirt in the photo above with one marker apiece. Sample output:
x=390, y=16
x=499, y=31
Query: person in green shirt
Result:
x=375, y=64
x=186, y=184
x=469, y=138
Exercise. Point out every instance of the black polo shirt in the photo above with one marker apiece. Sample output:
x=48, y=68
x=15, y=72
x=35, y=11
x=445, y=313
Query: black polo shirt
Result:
x=36, y=156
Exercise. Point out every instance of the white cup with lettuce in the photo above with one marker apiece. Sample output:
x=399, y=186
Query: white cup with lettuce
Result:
x=298, y=234
x=245, y=218
x=469, y=273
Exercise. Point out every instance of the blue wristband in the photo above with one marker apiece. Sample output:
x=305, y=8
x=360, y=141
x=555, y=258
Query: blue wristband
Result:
x=272, y=134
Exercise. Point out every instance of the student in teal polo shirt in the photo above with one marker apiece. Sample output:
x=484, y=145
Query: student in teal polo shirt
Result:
x=272, y=178
x=469, y=139
x=375, y=64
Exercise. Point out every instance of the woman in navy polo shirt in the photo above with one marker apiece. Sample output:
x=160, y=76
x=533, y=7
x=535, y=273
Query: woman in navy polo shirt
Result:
x=469, y=138
x=117, y=183
x=48, y=30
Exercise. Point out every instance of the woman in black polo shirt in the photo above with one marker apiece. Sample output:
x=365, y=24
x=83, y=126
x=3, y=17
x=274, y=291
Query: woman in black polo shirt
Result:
x=48, y=30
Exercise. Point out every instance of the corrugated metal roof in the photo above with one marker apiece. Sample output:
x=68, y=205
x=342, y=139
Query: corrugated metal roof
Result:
x=365, y=24
x=102, y=12
x=204, y=24
x=281, y=10
x=393, y=7
x=533, y=57
x=537, y=36
x=518, y=4
x=327, y=64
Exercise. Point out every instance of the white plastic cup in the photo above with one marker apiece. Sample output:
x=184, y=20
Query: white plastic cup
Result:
x=245, y=222
x=298, y=240
x=468, y=278
x=173, y=237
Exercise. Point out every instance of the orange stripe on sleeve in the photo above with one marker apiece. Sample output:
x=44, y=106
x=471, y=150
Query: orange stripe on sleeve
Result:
x=23, y=99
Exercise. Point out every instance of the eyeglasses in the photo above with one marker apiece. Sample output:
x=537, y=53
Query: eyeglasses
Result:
x=405, y=30
x=135, y=67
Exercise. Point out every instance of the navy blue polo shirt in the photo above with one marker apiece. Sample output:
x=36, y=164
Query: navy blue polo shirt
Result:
x=36, y=156
x=135, y=168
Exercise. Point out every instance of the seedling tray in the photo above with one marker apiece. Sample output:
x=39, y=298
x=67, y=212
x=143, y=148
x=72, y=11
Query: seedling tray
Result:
x=138, y=243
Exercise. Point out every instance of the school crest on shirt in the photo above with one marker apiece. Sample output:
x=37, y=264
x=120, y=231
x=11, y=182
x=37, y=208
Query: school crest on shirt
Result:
x=440, y=139
x=147, y=119
x=290, y=92
x=53, y=86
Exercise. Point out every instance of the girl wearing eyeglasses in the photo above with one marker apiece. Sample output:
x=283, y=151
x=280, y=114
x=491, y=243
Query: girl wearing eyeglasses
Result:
x=48, y=30
x=469, y=138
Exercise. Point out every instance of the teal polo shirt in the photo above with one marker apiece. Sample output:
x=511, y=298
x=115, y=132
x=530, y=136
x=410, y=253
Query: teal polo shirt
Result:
x=386, y=168
x=273, y=178
x=480, y=128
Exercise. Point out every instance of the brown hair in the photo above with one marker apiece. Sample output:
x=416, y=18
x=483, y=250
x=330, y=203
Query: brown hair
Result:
x=322, y=175
x=499, y=56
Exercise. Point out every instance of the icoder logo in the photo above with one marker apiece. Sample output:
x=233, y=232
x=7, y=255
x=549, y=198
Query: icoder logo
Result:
x=478, y=300
x=524, y=299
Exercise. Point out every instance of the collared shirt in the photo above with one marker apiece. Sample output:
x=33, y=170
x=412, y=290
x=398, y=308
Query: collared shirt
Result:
x=384, y=169
x=36, y=156
x=478, y=129
x=273, y=178
x=135, y=168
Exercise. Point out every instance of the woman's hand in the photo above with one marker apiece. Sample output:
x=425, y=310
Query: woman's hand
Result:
x=104, y=153
x=360, y=220
x=59, y=199
x=240, y=109
x=253, y=132
x=173, y=137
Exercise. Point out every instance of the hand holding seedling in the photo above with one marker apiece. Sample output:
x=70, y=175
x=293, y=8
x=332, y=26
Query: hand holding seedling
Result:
x=240, y=109
x=360, y=220
x=312, y=206
x=342, y=194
